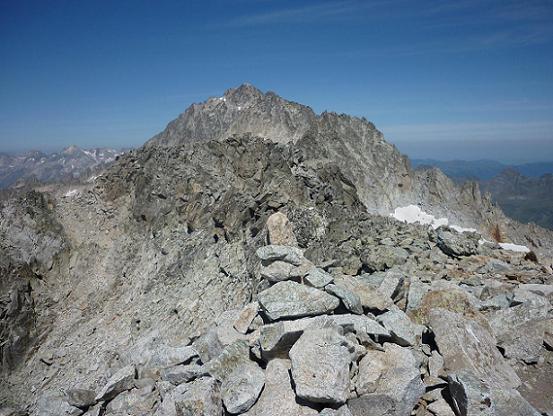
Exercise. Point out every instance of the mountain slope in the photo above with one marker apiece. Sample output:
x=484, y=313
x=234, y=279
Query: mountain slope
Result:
x=382, y=175
x=159, y=254
x=71, y=164
x=524, y=198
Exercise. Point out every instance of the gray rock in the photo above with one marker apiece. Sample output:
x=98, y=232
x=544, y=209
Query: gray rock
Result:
x=133, y=402
x=53, y=405
x=208, y=345
x=320, y=366
x=373, y=404
x=202, y=397
x=162, y=355
x=467, y=346
x=403, y=331
x=393, y=372
x=182, y=373
x=351, y=301
x=278, y=397
x=435, y=364
x=286, y=254
x=457, y=244
x=440, y=408
x=341, y=411
x=279, y=271
x=370, y=297
x=121, y=381
x=246, y=317
x=94, y=411
x=520, y=330
x=384, y=257
x=277, y=339
x=293, y=300
x=81, y=397
x=242, y=387
x=318, y=278
x=390, y=284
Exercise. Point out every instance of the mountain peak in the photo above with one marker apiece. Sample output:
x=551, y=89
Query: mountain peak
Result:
x=243, y=93
x=71, y=150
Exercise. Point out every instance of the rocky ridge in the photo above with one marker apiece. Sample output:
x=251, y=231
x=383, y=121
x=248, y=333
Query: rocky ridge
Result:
x=156, y=283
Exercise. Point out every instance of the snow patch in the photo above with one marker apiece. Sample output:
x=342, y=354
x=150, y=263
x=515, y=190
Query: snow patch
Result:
x=514, y=247
x=413, y=214
x=71, y=192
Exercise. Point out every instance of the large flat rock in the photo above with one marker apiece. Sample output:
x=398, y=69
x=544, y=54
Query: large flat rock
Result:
x=293, y=300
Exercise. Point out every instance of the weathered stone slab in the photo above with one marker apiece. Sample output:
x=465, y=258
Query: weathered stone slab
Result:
x=121, y=381
x=403, y=331
x=285, y=254
x=370, y=297
x=278, y=397
x=318, y=278
x=320, y=366
x=351, y=301
x=293, y=300
x=466, y=345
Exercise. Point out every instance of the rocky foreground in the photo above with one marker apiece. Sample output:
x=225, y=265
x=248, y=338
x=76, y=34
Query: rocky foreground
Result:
x=316, y=341
x=264, y=276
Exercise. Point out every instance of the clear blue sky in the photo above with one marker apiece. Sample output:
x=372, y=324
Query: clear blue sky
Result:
x=466, y=78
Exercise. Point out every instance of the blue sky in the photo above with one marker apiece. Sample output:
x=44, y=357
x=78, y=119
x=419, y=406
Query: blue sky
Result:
x=462, y=79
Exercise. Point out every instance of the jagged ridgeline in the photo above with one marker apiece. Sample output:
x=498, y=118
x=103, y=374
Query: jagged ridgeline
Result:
x=244, y=261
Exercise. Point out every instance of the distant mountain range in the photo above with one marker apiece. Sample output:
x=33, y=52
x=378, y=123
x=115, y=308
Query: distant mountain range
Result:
x=72, y=163
x=524, y=192
x=461, y=170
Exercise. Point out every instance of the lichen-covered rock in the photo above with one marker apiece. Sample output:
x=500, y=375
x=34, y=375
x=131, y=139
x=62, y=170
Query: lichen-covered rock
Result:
x=121, y=381
x=465, y=345
x=81, y=397
x=457, y=244
x=370, y=297
x=320, y=366
x=393, y=372
x=246, y=317
x=242, y=387
x=404, y=332
x=351, y=301
x=201, y=397
x=278, y=397
x=286, y=254
x=318, y=278
x=293, y=300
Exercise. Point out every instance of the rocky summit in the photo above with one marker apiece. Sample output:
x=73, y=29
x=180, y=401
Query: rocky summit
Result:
x=245, y=262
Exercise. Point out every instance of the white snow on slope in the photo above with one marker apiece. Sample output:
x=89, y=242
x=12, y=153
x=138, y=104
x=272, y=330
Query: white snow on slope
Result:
x=514, y=247
x=71, y=193
x=413, y=214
